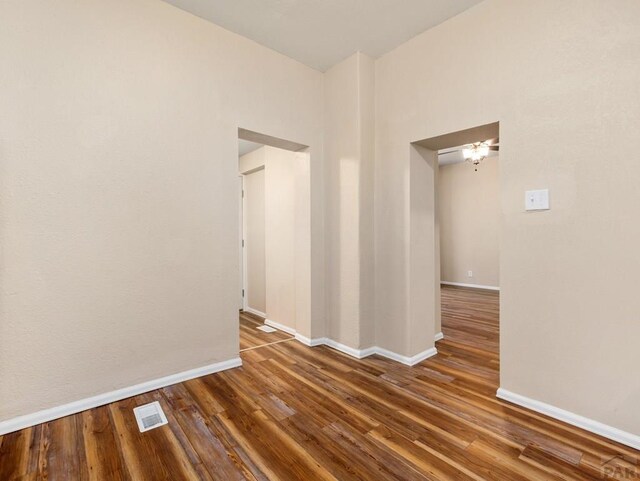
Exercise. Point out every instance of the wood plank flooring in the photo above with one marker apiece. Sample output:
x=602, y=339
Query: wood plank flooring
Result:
x=299, y=413
x=250, y=337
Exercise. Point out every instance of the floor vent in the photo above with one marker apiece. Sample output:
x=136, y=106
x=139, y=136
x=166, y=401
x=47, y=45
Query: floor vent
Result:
x=266, y=329
x=150, y=416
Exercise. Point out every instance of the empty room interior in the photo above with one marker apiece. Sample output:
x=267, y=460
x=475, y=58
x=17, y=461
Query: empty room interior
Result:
x=319, y=240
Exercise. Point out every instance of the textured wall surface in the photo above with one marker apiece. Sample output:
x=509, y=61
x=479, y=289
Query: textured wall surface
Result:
x=119, y=191
x=560, y=77
x=254, y=240
x=349, y=167
x=469, y=213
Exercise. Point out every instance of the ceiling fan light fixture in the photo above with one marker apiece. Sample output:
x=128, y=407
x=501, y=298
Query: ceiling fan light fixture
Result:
x=476, y=153
x=483, y=149
x=467, y=153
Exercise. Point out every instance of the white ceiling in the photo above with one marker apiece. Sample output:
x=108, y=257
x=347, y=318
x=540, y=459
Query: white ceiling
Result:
x=321, y=33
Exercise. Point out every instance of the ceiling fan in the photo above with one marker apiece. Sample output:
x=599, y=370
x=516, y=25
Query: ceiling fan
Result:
x=478, y=151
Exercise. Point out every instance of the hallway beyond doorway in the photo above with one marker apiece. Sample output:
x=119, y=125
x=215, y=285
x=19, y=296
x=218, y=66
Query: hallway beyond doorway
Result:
x=471, y=317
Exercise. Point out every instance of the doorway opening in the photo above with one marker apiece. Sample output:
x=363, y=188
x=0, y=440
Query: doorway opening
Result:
x=458, y=174
x=274, y=214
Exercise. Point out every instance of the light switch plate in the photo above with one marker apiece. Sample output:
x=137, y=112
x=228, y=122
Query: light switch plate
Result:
x=536, y=199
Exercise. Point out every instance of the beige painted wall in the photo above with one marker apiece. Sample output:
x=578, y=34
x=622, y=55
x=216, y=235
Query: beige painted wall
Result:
x=119, y=191
x=251, y=161
x=251, y=167
x=469, y=213
x=280, y=235
x=422, y=262
x=284, y=218
x=560, y=77
x=118, y=131
x=254, y=238
x=349, y=131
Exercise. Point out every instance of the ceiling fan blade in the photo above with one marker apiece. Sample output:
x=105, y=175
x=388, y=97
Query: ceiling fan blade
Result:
x=449, y=151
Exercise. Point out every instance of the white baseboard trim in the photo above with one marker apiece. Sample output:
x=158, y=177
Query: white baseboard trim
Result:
x=255, y=312
x=357, y=353
x=46, y=415
x=319, y=341
x=596, y=427
x=406, y=360
x=280, y=327
x=394, y=356
x=473, y=286
x=439, y=336
x=353, y=352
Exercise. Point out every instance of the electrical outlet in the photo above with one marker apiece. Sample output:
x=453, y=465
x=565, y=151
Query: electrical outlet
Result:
x=469, y=273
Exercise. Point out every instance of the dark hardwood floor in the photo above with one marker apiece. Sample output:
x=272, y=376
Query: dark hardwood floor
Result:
x=299, y=413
